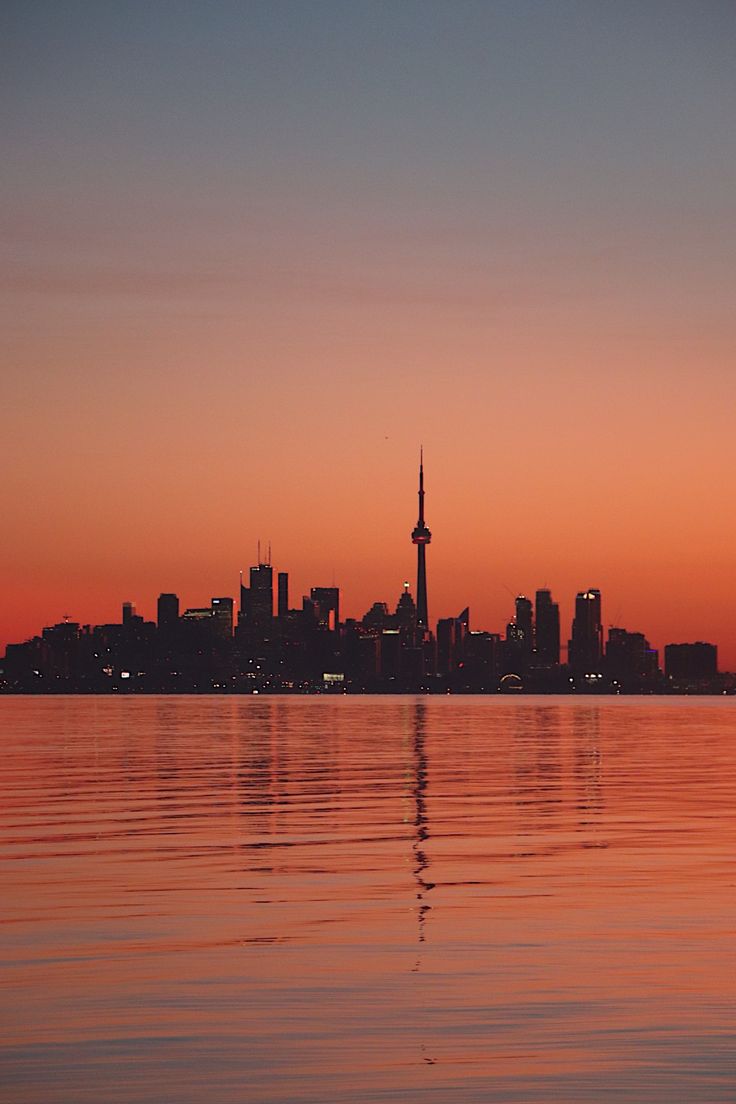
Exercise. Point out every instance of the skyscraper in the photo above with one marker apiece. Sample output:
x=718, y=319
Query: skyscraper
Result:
x=421, y=537
x=222, y=612
x=261, y=596
x=525, y=624
x=326, y=602
x=283, y=593
x=547, y=628
x=168, y=611
x=585, y=649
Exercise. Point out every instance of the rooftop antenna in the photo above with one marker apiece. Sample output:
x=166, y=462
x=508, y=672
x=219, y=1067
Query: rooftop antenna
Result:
x=269, y=553
x=259, y=552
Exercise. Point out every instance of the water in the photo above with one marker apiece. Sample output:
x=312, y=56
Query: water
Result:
x=306, y=901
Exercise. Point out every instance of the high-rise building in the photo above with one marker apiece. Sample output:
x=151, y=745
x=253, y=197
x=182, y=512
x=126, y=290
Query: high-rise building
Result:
x=167, y=614
x=128, y=612
x=585, y=649
x=421, y=537
x=690, y=663
x=222, y=612
x=525, y=624
x=630, y=659
x=547, y=628
x=446, y=645
x=406, y=612
x=261, y=597
x=283, y=594
x=326, y=602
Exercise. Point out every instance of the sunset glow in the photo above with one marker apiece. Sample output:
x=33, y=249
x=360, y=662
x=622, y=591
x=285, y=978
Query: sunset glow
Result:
x=257, y=256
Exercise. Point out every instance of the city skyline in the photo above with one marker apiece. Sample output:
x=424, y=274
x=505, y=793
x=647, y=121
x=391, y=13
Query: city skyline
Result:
x=256, y=256
x=308, y=646
x=262, y=585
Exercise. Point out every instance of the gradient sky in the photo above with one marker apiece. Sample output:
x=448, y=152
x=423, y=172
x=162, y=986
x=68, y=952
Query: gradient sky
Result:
x=256, y=252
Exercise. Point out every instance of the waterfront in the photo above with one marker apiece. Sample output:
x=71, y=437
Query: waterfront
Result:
x=314, y=900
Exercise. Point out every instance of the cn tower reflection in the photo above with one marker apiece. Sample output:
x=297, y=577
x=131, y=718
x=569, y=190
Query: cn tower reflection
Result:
x=421, y=821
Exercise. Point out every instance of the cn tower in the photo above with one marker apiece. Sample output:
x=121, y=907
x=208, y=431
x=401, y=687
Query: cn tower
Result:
x=421, y=537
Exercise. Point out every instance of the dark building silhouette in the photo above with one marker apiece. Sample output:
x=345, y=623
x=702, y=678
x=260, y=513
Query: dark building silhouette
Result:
x=222, y=613
x=519, y=641
x=446, y=645
x=256, y=601
x=689, y=664
x=421, y=537
x=451, y=635
x=378, y=617
x=547, y=629
x=481, y=660
x=525, y=622
x=406, y=614
x=309, y=649
x=283, y=594
x=631, y=661
x=326, y=606
x=167, y=611
x=585, y=649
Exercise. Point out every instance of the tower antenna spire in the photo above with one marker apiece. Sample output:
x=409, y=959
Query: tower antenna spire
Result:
x=421, y=537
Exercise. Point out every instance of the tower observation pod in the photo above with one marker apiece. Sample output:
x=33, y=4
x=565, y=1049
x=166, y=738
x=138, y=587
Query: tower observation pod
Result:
x=421, y=537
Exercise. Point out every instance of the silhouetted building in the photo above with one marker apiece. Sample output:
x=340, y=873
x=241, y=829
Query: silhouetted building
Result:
x=446, y=645
x=326, y=605
x=631, y=662
x=196, y=614
x=406, y=614
x=283, y=594
x=421, y=537
x=689, y=664
x=167, y=612
x=480, y=664
x=128, y=612
x=222, y=613
x=60, y=650
x=378, y=617
x=525, y=622
x=585, y=649
x=547, y=629
x=256, y=601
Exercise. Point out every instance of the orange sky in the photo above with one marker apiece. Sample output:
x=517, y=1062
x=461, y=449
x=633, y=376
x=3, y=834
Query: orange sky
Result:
x=241, y=293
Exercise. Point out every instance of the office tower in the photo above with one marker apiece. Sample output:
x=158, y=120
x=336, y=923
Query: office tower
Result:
x=585, y=648
x=421, y=537
x=524, y=624
x=630, y=659
x=222, y=613
x=261, y=597
x=167, y=611
x=378, y=617
x=326, y=603
x=283, y=593
x=446, y=645
x=406, y=612
x=547, y=634
x=690, y=663
x=128, y=612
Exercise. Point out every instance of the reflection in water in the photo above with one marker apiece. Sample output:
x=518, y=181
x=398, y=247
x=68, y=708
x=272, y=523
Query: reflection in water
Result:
x=421, y=823
x=222, y=899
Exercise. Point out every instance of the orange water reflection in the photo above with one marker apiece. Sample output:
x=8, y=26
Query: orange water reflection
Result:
x=301, y=900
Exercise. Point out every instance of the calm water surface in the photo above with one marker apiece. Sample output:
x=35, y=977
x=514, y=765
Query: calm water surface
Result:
x=212, y=900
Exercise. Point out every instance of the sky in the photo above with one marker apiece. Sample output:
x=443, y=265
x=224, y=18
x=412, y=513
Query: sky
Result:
x=255, y=254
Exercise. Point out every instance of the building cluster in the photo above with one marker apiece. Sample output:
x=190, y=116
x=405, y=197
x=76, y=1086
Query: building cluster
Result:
x=264, y=645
